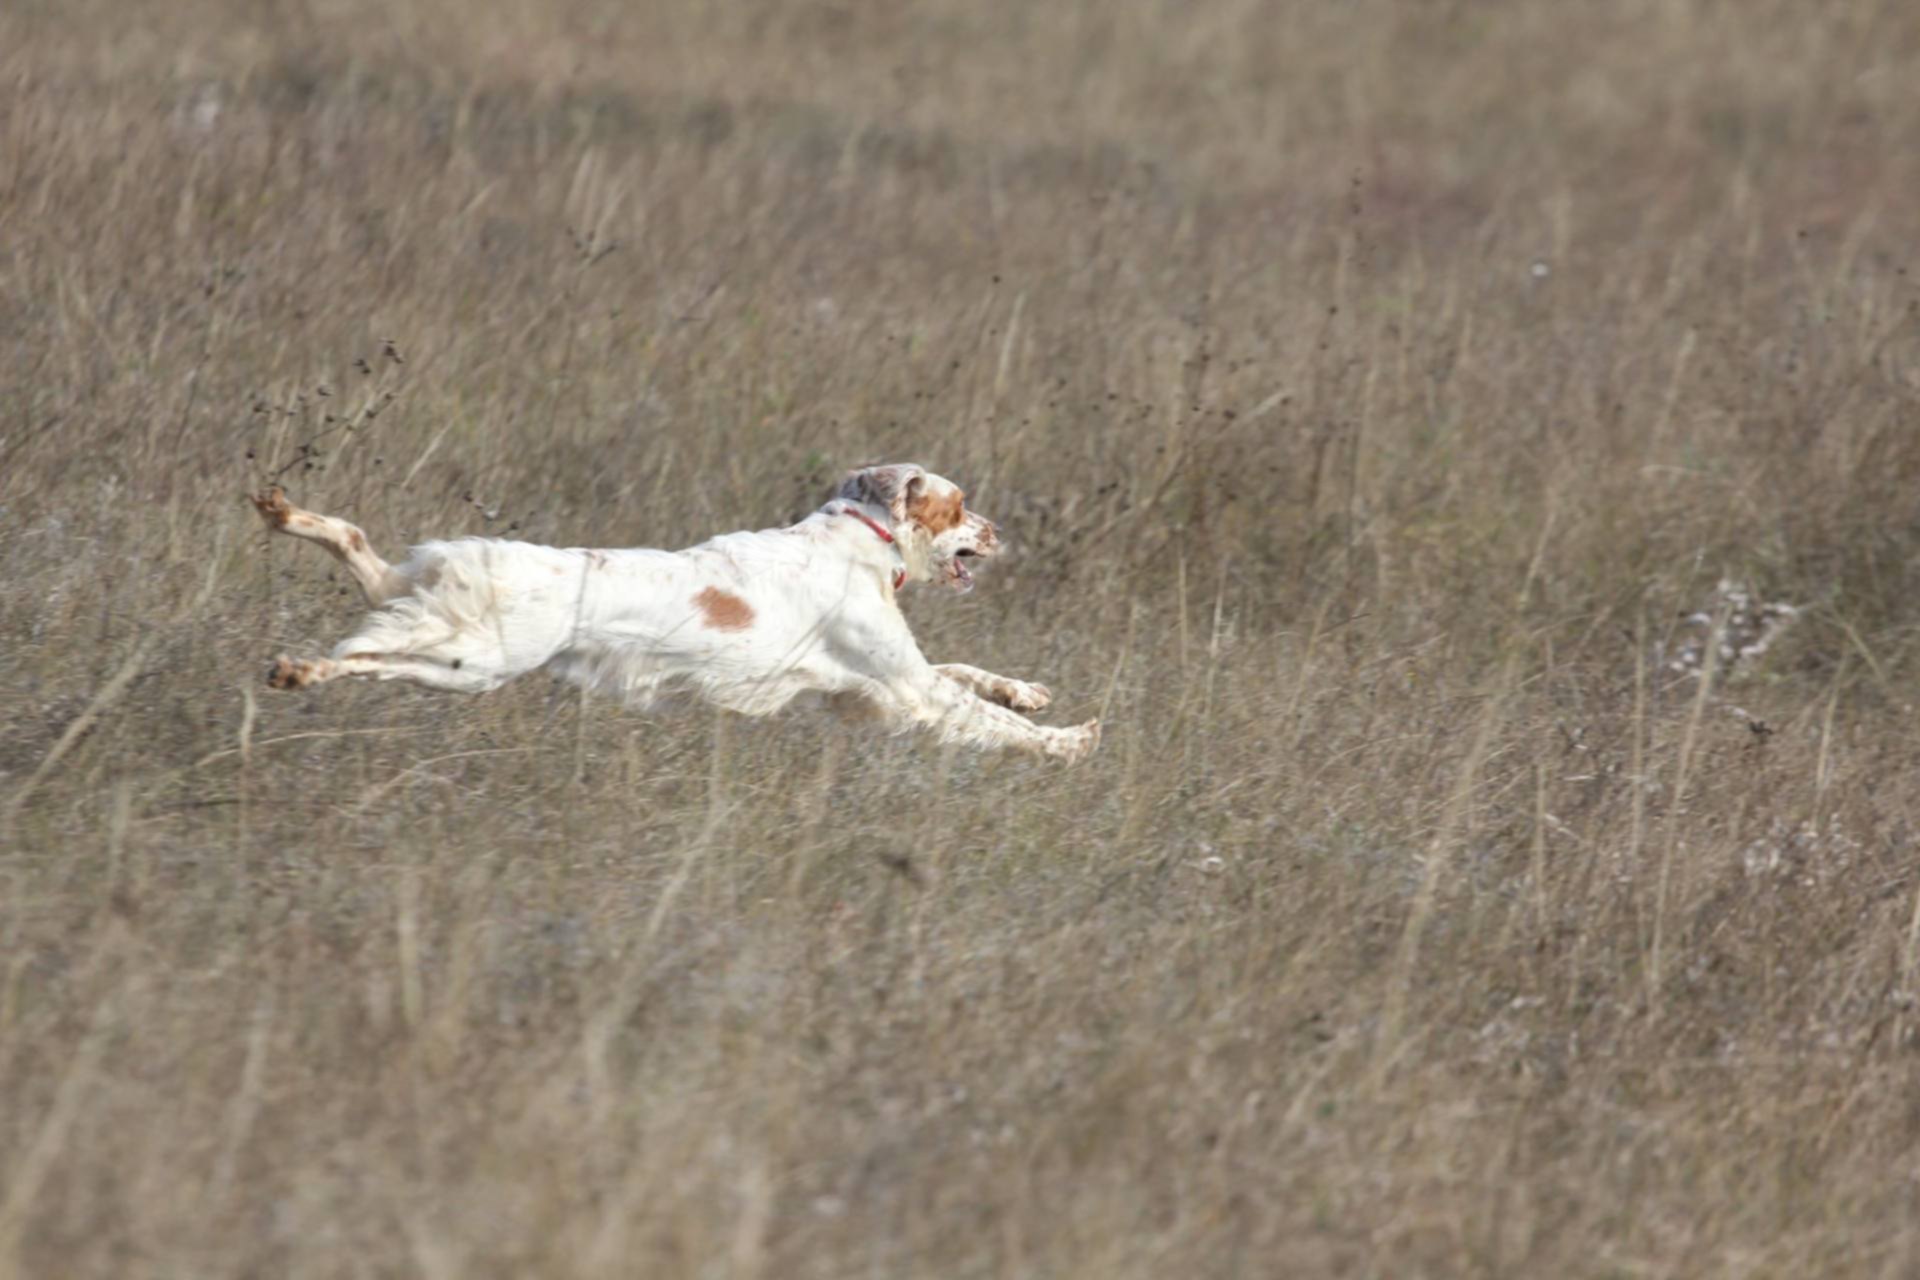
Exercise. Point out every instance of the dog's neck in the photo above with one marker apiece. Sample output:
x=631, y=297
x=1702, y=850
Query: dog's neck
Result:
x=880, y=531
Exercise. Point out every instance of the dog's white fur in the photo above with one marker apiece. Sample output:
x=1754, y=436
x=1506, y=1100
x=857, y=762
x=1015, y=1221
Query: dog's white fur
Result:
x=747, y=620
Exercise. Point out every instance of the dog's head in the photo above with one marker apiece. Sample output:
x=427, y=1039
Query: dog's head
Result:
x=928, y=518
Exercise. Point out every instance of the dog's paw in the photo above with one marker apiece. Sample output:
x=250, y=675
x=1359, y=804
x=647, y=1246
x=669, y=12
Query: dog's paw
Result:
x=289, y=673
x=1021, y=696
x=1076, y=744
x=273, y=506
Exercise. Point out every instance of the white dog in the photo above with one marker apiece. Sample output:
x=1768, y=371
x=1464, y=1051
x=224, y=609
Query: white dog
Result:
x=748, y=620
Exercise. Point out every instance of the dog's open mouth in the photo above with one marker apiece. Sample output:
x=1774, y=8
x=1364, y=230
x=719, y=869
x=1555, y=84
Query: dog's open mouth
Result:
x=958, y=575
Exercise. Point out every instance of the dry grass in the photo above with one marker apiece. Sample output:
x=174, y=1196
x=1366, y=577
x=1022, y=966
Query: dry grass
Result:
x=1371, y=387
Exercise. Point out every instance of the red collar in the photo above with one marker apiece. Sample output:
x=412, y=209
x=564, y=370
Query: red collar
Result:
x=899, y=575
x=868, y=521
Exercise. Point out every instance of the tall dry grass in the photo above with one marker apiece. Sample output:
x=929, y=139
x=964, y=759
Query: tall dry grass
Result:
x=1370, y=389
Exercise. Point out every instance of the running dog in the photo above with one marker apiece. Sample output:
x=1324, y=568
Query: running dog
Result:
x=749, y=621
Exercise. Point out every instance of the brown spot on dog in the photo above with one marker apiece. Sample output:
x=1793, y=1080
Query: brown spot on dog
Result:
x=357, y=540
x=938, y=513
x=724, y=610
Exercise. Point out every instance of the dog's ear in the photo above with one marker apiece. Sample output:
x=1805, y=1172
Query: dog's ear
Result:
x=894, y=487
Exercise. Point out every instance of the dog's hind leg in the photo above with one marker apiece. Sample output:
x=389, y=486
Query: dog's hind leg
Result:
x=302, y=673
x=406, y=640
x=345, y=542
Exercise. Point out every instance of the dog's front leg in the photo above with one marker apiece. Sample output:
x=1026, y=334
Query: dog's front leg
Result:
x=1021, y=695
x=957, y=714
x=880, y=660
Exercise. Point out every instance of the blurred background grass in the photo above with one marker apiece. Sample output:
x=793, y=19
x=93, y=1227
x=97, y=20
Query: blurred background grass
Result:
x=1369, y=389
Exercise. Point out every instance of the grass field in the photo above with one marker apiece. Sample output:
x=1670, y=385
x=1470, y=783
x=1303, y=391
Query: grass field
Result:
x=1372, y=392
